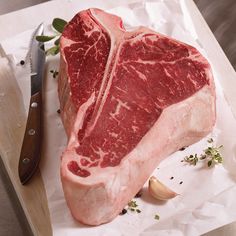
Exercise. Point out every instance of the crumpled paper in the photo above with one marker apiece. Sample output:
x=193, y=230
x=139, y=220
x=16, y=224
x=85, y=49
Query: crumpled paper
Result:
x=206, y=195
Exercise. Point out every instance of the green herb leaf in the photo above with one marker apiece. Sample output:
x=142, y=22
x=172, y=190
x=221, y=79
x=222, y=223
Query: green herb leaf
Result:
x=59, y=24
x=157, y=217
x=133, y=206
x=57, y=42
x=209, y=163
x=210, y=140
x=213, y=153
x=202, y=157
x=192, y=159
x=53, y=51
x=132, y=203
x=44, y=38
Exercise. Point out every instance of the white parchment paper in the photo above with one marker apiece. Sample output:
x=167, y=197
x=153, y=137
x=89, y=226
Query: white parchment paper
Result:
x=206, y=199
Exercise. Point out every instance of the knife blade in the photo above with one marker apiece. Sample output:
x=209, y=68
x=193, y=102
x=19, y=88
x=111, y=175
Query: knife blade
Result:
x=31, y=146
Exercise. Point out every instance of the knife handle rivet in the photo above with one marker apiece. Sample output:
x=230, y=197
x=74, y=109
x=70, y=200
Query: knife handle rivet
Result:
x=34, y=104
x=26, y=160
x=31, y=132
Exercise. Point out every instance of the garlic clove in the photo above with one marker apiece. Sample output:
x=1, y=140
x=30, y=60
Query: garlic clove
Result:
x=159, y=191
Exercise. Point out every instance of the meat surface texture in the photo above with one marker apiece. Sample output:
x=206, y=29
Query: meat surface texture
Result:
x=128, y=100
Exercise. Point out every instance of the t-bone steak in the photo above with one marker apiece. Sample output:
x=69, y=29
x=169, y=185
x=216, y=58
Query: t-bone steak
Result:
x=128, y=99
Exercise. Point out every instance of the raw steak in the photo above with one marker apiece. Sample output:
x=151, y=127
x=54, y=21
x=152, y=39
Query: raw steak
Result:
x=128, y=100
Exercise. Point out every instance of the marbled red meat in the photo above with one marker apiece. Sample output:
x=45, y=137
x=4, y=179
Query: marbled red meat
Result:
x=128, y=100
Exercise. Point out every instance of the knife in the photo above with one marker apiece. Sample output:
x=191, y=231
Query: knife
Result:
x=31, y=147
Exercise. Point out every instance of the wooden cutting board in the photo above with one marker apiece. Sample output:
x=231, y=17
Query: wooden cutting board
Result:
x=12, y=126
x=33, y=196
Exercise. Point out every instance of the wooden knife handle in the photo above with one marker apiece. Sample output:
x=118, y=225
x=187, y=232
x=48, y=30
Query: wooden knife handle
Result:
x=31, y=147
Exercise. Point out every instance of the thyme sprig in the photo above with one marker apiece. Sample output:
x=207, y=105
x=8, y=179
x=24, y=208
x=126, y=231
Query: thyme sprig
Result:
x=58, y=24
x=211, y=155
x=191, y=159
x=133, y=206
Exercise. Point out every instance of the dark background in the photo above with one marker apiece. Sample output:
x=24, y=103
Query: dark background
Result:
x=220, y=15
